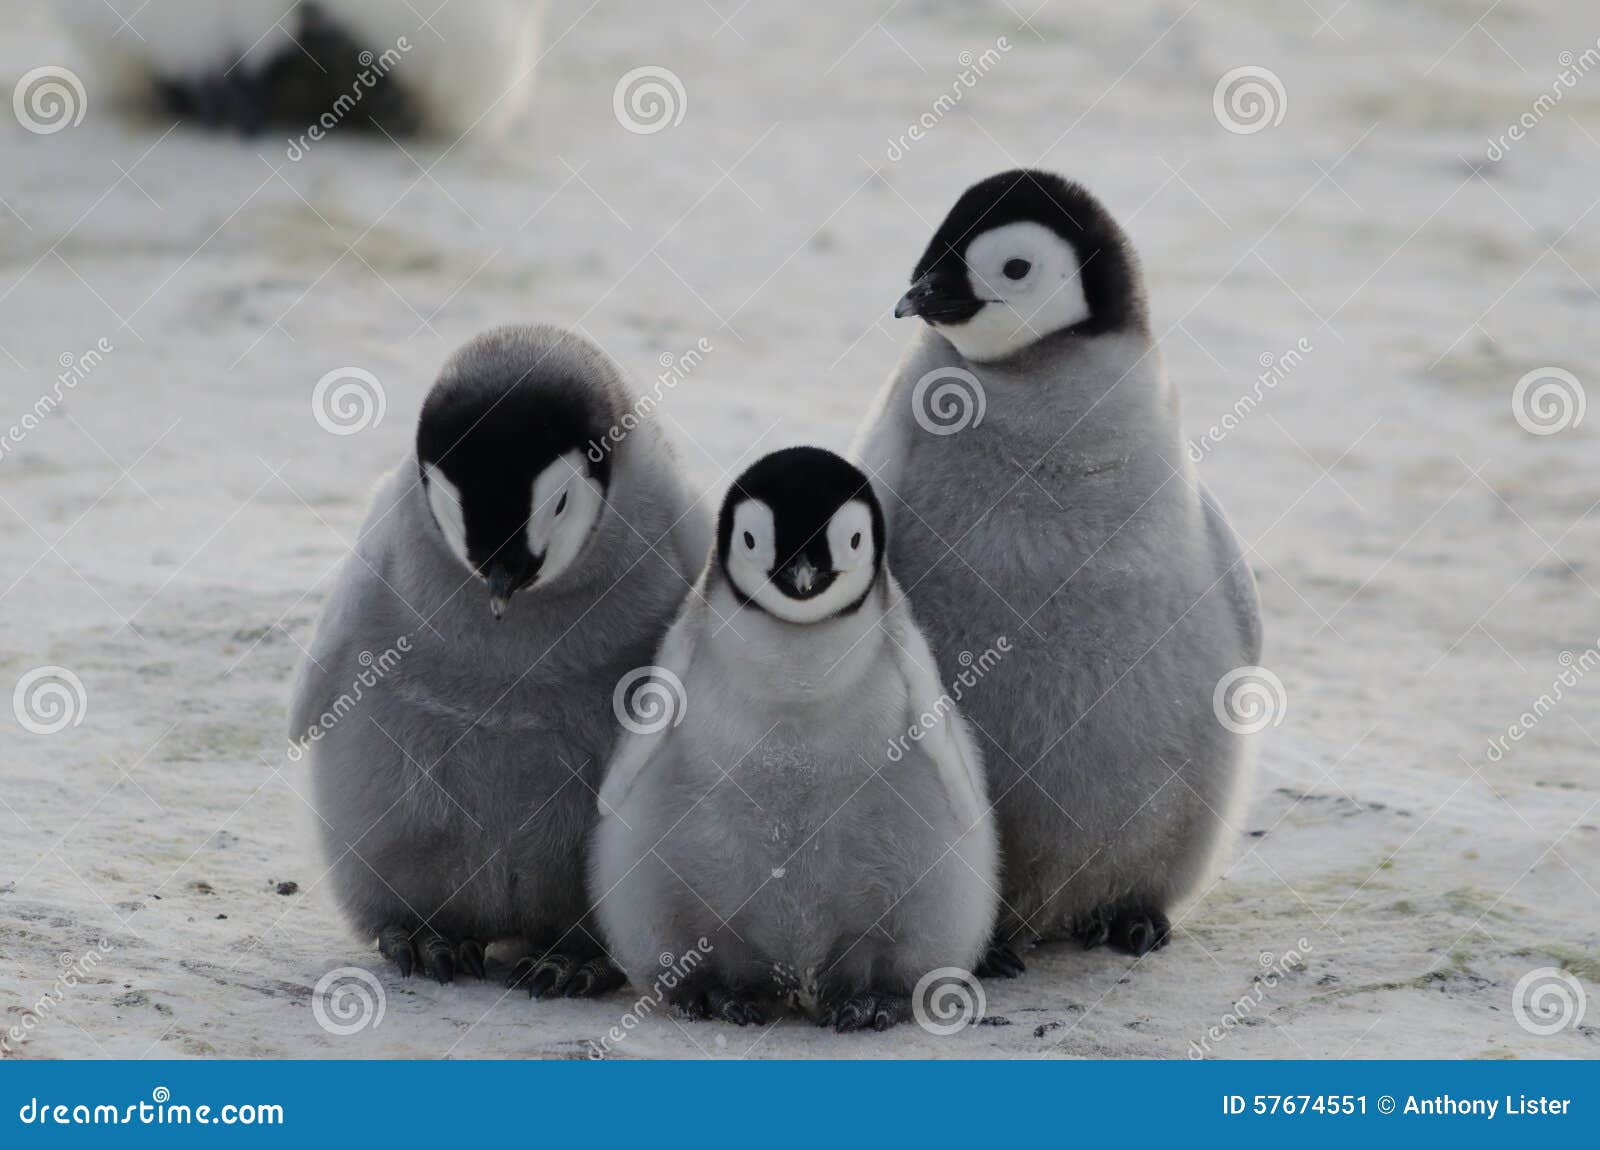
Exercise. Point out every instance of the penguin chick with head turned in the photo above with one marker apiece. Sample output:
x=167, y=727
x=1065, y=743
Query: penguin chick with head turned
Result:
x=318, y=66
x=455, y=701
x=779, y=830
x=1028, y=452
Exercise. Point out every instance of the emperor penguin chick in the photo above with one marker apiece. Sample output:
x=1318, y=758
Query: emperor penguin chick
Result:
x=804, y=820
x=1032, y=467
x=455, y=701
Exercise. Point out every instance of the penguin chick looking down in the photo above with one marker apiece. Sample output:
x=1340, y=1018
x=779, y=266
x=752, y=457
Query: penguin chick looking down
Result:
x=519, y=582
x=1029, y=455
x=783, y=824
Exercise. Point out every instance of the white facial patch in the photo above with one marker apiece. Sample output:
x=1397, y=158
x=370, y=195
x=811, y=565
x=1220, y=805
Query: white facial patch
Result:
x=752, y=548
x=752, y=552
x=566, y=505
x=1032, y=281
x=850, y=538
x=444, y=500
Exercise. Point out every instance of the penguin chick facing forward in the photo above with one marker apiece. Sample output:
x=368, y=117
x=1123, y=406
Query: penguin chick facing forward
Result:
x=782, y=814
x=311, y=68
x=503, y=583
x=1031, y=465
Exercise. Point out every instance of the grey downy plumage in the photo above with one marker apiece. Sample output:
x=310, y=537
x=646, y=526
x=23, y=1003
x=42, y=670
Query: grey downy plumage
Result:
x=779, y=832
x=1028, y=454
x=513, y=568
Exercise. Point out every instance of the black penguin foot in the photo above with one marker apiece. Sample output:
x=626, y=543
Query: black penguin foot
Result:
x=558, y=975
x=712, y=1002
x=437, y=957
x=1135, y=932
x=430, y=953
x=469, y=957
x=593, y=978
x=394, y=943
x=869, y=1010
x=1001, y=960
x=542, y=976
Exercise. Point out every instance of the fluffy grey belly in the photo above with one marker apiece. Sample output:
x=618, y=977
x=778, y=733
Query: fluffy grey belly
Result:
x=1103, y=756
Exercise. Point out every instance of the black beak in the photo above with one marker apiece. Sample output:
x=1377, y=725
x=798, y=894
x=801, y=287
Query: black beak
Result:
x=802, y=580
x=503, y=584
x=917, y=300
x=939, y=297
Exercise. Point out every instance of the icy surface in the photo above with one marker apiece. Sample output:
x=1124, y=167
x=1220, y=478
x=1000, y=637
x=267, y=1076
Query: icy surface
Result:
x=166, y=533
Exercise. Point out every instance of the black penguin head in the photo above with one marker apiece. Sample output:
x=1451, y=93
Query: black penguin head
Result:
x=801, y=535
x=501, y=450
x=1023, y=255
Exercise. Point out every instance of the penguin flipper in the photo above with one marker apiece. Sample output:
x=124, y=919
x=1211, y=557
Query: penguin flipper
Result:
x=691, y=533
x=947, y=742
x=636, y=749
x=364, y=619
x=325, y=669
x=1236, y=577
x=882, y=445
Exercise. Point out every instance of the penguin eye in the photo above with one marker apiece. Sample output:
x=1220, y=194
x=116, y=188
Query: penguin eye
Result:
x=561, y=505
x=750, y=541
x=1015, y=269
x=855, y=541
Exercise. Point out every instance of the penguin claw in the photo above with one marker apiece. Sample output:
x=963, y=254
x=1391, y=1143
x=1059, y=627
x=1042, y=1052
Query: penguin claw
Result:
x=595, y=977
x=469, y=957
x=1095, y=930
x=543, y=977
x=394, y=943
x=1135, y=932
x=731, y=1008
x=1139, y=934
x=866, y=1011
x=438, y=958
x=721, y=1004
x=1001, y=960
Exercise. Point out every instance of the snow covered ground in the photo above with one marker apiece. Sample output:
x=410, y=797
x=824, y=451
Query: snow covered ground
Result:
x=1429, y=567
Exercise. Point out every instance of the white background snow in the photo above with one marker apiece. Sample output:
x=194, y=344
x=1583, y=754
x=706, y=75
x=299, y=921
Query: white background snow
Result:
x=1424, y=561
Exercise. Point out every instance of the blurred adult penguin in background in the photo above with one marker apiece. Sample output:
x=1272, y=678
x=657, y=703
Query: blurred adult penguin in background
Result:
x=254, y=65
